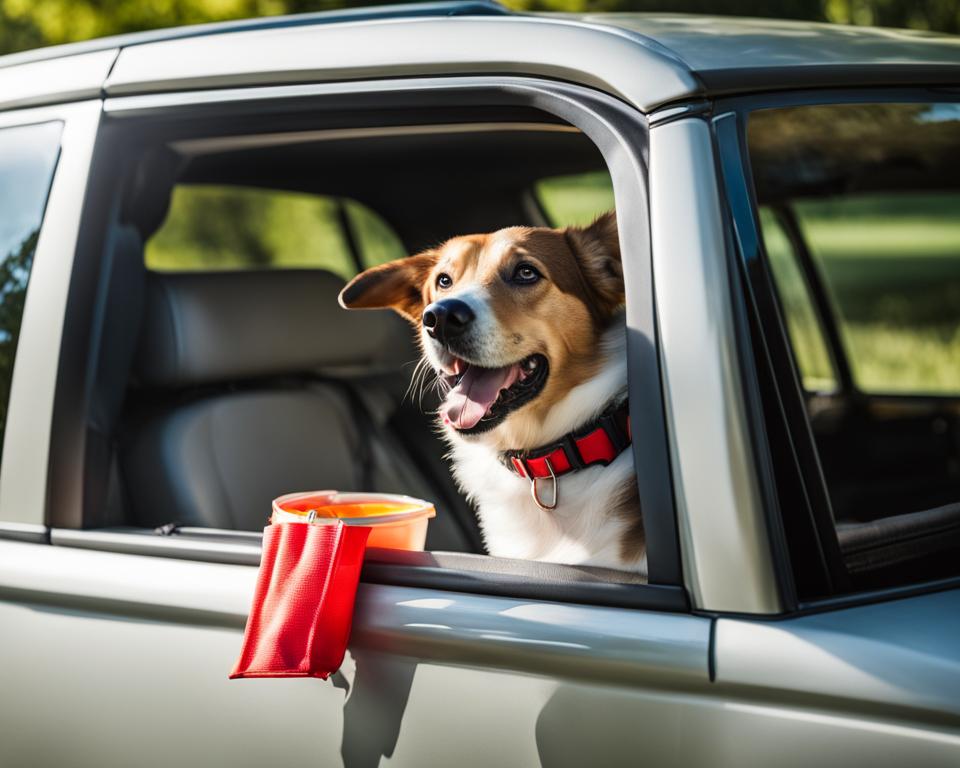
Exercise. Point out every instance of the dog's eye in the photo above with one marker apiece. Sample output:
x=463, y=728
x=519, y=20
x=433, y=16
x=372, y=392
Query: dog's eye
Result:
x=444, y=280
x=524, y=274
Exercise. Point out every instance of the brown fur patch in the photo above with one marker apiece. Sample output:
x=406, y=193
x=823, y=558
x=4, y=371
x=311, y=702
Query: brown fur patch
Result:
x=561, y=316
x=398, y=285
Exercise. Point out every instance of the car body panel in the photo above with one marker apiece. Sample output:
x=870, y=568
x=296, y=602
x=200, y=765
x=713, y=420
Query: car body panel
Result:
x=70, y=78
x=607, y=58
x=724, y=541
x=730, y=54
x=900, y=658
x=155, y=638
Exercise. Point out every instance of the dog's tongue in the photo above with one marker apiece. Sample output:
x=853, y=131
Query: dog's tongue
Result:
x=476, y=391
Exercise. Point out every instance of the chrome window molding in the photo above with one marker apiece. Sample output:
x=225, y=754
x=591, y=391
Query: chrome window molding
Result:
x=640, y=647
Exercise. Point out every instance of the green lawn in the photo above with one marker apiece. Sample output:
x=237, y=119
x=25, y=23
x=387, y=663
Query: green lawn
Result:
x=892, y=267
x=211, y=228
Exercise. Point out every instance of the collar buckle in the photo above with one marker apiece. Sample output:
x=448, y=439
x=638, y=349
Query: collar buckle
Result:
x=536, y=494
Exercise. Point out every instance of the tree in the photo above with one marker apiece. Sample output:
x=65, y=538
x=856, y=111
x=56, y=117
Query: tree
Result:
x=33, y=23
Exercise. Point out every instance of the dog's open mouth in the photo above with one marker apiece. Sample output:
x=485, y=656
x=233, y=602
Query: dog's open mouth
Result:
x=481, y=398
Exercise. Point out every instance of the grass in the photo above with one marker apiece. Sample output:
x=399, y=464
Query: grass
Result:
x=892, y=268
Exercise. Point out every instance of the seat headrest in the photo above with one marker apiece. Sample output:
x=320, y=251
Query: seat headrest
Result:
x=209, y=327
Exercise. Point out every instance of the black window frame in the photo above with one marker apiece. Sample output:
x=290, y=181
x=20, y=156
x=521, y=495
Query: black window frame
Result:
x=803, y=538
x=620, y=134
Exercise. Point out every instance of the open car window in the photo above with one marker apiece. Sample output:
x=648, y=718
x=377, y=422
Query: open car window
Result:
x=244, y=379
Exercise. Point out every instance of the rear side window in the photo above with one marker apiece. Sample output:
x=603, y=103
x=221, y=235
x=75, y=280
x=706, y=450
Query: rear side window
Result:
x=228, y=228
x=28, y=157
x=870, y=194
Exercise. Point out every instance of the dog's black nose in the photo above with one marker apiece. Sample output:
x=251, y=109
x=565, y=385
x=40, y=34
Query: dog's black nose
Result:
x=447, y=318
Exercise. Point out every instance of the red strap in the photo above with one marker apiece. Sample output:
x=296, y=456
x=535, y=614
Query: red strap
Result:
x=596, y=447
x=558, y=459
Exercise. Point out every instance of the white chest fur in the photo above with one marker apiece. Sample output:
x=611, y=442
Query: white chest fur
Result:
x=580, y=530
x=584, y=528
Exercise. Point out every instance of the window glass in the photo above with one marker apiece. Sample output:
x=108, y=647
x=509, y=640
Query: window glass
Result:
x=874, y=189
x=875, y=192
x=806, y=334
x=28, y=156
x=575, y=200
x=375, y=240
x=225, y=228
x=892, y=266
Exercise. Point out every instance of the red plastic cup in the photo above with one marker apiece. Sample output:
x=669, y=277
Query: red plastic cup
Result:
x=302, y=611
x=395, y=521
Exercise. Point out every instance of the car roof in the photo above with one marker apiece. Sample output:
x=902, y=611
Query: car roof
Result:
x=730, y=54
x=683, y=56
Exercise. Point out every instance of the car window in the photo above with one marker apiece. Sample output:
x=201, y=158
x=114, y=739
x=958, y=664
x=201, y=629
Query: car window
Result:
x=803, y=325
x=28, y=156
x=575, y=200
x=226, y=228
x=874, y=191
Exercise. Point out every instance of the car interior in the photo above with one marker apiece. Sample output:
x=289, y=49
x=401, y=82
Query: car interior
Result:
x=227, y=374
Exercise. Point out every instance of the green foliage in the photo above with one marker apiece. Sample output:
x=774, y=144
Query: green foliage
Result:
x=211, y=228
x=14, y=271
x=575, y=200
x=32, y=23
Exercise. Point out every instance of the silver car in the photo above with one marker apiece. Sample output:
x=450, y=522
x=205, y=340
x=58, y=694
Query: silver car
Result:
x=178, y=211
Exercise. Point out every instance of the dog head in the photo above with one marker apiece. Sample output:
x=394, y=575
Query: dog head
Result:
x=510, y=321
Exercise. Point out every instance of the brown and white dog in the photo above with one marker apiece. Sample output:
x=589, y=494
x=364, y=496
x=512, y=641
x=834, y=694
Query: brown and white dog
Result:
x=524, y=328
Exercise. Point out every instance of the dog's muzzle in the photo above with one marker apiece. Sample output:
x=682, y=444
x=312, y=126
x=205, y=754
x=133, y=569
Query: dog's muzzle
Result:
x=447, y=319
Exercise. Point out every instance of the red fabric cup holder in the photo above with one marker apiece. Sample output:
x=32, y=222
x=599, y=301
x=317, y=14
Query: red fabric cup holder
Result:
x=302, y=610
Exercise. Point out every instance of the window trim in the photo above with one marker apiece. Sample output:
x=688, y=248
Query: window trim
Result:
x=730, y=116
x=620, y=135
x=24, y=473
x=454, y=572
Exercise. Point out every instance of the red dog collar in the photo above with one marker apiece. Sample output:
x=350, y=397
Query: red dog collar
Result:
x=596, y=444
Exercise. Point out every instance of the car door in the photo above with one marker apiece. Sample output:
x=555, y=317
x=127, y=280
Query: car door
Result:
x=865, y=669
x=118, y=642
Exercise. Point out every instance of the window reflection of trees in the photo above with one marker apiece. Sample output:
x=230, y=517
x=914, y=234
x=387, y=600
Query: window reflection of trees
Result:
x=14, y=273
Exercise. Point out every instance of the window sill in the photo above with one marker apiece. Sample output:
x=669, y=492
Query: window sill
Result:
x=451, y=571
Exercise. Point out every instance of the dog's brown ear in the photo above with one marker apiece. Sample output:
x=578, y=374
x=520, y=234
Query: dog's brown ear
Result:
x=396, y=285
x=597, y=249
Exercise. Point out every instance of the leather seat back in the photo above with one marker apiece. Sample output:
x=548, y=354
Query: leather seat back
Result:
x=253, y=384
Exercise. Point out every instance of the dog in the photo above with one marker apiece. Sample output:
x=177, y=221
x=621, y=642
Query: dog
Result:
x=525, y=330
